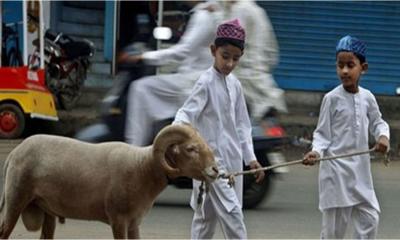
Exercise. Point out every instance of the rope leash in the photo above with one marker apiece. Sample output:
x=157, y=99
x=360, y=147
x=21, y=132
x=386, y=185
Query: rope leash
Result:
x=231, y=176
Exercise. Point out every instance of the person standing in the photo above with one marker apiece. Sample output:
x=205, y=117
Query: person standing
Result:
x=155, y=98
x=348, y=114
x=217, y=108
x=259, y=60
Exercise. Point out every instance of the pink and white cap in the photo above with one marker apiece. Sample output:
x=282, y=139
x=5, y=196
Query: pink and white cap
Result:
x=232, y=30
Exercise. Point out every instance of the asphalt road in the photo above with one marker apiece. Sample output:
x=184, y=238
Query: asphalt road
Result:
x=291, y=212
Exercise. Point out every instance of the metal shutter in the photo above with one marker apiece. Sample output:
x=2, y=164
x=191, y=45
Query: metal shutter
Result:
x=307, y=33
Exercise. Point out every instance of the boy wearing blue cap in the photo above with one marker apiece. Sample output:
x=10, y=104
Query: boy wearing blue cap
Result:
x=347, y=114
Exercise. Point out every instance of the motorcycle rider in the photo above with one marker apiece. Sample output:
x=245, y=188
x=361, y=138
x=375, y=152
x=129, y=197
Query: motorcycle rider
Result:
x=258, y=61
x=158, y=97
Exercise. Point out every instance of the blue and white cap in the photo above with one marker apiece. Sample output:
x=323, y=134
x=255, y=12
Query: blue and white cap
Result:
x=351, y=44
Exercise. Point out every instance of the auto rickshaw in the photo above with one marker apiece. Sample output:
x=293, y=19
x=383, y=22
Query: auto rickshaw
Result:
x=23, y=95
x=23, y=92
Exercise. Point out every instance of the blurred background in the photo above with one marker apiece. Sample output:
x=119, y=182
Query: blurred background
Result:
x=98, y=32
x=306, y=33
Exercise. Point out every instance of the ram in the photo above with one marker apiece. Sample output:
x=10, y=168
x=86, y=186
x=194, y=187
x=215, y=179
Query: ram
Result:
x=46, y=177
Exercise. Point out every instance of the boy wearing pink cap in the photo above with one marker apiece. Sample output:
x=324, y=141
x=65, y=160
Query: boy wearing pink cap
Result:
x=217, y=108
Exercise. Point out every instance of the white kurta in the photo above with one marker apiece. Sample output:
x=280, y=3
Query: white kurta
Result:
x=344, y=122
x=261, y=55
x=158, y=97
x=217, y=109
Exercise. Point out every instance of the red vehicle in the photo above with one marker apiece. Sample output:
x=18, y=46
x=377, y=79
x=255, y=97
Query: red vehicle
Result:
x=23, y=95
x=23, y=92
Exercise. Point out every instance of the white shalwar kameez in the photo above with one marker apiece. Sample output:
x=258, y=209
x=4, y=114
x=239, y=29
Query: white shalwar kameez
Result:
x=156, y=98
x=260, y=57
x=217, y=109
x=345, y=185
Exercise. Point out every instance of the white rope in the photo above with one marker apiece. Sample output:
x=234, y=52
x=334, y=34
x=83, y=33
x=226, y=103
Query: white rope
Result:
x=231, y=176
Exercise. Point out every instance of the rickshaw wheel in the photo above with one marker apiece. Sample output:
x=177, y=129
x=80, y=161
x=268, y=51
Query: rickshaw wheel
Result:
x=12, y=121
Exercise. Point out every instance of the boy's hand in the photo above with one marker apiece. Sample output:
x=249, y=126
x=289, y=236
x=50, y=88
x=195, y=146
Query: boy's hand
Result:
x=310, y=157
x=382, y=145
x=258, y=175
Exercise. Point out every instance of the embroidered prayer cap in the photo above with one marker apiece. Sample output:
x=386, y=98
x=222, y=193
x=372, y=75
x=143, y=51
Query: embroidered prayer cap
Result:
x=351, y=44
x=231, y=30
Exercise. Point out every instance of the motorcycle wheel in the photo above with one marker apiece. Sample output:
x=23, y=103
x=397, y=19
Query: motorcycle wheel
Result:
x=69, y=95
x=12, y=121
x=254, y=193
x=67, y=101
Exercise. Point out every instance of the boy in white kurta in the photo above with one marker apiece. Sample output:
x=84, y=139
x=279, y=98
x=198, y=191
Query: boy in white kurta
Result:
x=348, y=113
x=217, y=109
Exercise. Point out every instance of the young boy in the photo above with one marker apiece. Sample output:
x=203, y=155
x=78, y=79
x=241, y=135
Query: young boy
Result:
x=216, y=107
x=347, y=113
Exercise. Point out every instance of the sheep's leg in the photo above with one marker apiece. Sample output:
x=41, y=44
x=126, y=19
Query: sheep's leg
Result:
x=9, y=220
x=49, y=226
x=6, y=229
x=133, y=231
x=119, y=229
x=15, y=202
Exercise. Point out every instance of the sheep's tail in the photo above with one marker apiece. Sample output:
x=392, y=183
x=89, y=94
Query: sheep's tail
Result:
x=1, y=213
x=2, y=199
x=2, y=202
x=5, y=168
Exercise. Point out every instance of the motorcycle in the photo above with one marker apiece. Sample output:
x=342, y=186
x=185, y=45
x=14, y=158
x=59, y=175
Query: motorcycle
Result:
x=67, y=63
x=268, y=135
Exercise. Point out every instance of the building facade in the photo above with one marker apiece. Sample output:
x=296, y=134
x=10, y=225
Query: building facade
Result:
x=307, y=33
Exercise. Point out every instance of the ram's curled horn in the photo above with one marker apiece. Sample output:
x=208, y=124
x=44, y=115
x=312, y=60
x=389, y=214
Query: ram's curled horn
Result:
x=173, y=134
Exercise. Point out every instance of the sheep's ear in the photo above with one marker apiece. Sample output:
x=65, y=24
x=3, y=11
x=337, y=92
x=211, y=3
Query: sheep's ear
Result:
x=175, y=149
x=171, y=153
x=168, y=160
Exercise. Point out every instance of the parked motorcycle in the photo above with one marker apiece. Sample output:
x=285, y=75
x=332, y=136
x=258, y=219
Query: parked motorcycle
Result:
x=268, y=136
x=67, y=63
